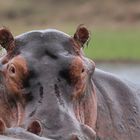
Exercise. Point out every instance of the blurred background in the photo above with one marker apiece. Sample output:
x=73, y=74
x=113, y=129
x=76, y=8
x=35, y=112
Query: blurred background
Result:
x=114, y=26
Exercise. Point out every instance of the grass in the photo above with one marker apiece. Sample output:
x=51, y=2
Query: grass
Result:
x=122, y=45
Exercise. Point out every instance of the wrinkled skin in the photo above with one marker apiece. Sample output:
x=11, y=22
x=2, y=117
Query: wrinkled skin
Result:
x=44, y=75
x=49, y=88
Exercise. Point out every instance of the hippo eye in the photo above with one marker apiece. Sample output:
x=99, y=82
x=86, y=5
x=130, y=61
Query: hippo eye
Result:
x=11, y=69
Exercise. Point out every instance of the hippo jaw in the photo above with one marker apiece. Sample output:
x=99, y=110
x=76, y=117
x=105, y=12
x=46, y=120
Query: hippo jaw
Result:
x=12, y=112
x=11, y=103
x=47, y=84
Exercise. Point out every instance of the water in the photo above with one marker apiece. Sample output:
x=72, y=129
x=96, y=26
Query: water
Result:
x=129, y=71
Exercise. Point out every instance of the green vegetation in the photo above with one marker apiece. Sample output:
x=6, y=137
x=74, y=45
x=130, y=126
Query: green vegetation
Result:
x=114, y=45
x=105, y=45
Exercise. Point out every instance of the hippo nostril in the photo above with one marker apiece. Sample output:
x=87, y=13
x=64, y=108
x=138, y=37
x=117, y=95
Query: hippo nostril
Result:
x=2, y=126
x=88, y=131
x=74, y=137
x=35, y=127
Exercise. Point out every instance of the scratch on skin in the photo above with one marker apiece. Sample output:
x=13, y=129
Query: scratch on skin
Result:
x=41, y=93
x=58, y=95
x=33, y=112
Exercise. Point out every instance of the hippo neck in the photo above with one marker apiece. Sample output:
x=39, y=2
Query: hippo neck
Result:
x=86, y=107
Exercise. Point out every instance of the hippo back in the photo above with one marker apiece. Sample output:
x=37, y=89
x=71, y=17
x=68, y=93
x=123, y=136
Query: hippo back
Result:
x=118, y=102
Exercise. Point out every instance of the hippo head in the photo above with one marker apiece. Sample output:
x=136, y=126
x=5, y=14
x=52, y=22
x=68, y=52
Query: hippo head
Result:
x=46, y=84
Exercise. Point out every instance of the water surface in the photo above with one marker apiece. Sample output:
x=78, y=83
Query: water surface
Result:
x=129, y=71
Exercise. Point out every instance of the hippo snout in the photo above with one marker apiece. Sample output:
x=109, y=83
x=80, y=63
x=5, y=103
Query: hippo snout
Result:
x=84, y=133
x=87, y=133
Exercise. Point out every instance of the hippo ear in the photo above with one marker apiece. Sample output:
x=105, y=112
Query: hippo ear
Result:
x=6, y=39
x=81, y=35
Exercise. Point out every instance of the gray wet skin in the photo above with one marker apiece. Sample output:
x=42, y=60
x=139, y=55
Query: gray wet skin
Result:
x=61, y=95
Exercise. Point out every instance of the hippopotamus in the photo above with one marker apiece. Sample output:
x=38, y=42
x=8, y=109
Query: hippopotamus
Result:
x=51, y=91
